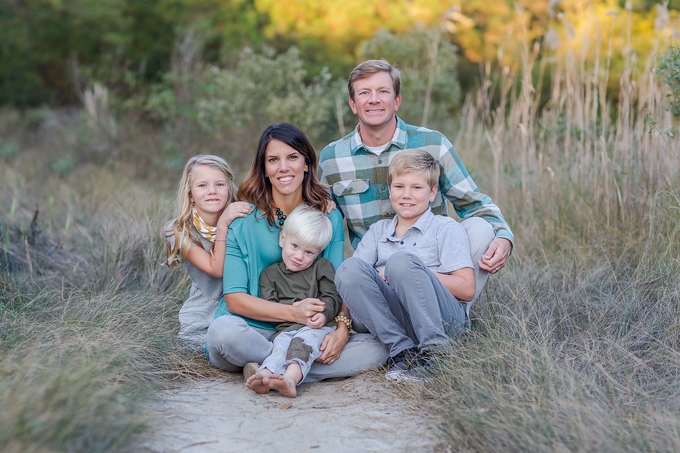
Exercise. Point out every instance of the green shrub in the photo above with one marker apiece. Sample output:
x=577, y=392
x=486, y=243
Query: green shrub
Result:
x=669, y=69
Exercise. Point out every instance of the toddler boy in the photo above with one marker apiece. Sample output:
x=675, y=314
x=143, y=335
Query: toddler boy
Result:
x=301, y=275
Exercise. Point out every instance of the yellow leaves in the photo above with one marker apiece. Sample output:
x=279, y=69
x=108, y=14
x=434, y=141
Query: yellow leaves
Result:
x=347, y=22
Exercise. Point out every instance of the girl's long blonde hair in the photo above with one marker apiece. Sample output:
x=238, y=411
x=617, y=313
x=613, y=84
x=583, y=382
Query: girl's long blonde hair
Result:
x=182, y=226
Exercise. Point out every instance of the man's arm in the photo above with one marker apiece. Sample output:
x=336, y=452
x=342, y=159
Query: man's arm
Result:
x=459, y=188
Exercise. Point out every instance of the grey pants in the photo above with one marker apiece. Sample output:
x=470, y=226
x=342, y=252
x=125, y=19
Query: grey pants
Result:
x=295, y=346
x=415, y=309
x=480, y=234
x=232, y=343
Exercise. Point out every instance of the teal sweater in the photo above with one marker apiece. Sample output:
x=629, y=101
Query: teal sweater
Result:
x=252, y=245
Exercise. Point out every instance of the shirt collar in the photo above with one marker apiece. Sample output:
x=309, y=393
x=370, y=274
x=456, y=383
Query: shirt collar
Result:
x=398, y=139
x=421, y=225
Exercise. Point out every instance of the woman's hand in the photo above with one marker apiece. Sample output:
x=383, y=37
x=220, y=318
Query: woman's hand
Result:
x=304, y=309
x=234, y=210
x=333, y=343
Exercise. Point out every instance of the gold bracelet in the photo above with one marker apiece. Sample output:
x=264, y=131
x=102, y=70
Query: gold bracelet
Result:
x=343, y=318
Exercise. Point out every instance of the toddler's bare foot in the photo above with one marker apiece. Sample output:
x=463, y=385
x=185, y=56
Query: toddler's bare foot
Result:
x=259, y=382
x=286, y=386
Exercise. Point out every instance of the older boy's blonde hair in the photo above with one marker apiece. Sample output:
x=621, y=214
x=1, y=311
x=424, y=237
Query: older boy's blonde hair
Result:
x=415, y=161
x=309, y=226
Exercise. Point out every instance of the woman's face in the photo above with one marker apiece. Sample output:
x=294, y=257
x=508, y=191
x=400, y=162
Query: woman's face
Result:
x=285, y=167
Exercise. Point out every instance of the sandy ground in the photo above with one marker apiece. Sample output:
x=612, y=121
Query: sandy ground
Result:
x=360, y=414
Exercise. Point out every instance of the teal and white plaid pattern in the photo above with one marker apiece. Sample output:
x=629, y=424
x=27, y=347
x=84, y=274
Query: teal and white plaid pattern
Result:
x=358, y=180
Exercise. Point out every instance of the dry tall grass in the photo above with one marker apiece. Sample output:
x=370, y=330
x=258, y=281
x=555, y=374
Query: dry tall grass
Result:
x=88, y=317
x=576, y=345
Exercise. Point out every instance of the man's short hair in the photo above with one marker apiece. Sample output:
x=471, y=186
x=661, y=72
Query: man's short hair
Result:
x=415, y=161
x=370, y=67
x=309, y=226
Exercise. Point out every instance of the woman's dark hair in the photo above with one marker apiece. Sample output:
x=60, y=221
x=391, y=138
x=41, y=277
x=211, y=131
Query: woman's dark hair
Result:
x=256, y=187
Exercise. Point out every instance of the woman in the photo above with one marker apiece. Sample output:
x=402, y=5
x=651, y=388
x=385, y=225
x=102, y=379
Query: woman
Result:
x=282, y=177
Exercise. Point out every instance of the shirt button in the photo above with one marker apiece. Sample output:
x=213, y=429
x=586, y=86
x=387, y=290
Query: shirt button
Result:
x=401, y=242
x=380, y=161
x=382, y=188
x=350, y=189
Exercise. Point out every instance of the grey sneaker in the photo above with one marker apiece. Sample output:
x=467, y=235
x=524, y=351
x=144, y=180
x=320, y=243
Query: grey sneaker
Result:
x=420, y=368
x=403, y=361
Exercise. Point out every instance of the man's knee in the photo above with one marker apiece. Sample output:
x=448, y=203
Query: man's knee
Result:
x=480, y=234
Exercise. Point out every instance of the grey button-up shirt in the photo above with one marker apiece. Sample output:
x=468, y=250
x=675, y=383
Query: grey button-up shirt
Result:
x=439, y=241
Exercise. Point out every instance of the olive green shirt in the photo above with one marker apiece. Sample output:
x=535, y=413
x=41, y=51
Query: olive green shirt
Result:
x=278, y=284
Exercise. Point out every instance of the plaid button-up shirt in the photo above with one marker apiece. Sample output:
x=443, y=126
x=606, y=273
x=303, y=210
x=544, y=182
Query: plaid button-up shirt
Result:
x=358, y=180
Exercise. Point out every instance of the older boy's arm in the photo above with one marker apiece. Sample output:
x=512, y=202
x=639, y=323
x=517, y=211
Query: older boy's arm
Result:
x=455, y=269
x=461, y=283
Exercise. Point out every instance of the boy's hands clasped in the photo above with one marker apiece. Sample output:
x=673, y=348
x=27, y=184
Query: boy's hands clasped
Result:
x=307, y=309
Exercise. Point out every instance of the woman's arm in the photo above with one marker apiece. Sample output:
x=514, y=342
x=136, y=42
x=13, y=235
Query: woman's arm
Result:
x=334, y=342
x=253, y=307
x=335, y=251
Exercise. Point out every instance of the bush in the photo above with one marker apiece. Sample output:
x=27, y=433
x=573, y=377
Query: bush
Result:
x=669, y=69
x=429, y=82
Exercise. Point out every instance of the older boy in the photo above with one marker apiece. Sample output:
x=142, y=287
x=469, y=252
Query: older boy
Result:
x=408, y=276
x=300, y=275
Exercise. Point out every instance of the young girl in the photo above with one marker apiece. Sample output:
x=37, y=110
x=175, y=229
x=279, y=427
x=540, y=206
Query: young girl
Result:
x=197, y=237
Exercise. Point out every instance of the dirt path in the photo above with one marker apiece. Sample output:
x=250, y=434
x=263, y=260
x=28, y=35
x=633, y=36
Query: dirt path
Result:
x=363, y=414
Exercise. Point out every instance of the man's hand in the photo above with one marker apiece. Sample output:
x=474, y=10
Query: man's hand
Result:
x=496, y=255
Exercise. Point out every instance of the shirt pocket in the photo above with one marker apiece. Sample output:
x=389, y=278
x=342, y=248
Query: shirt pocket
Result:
x=350, y=187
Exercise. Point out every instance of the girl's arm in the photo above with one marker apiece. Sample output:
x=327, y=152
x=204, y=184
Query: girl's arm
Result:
x=461, y=283
x=213, y=263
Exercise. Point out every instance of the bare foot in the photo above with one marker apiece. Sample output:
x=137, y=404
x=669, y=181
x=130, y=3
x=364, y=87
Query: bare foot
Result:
x=283, y=384
x=259, y=382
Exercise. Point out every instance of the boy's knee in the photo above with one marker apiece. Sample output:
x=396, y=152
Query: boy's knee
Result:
x=349, y=271
x=399, y=265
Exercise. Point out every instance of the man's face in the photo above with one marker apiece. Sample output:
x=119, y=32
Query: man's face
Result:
x=374, y=100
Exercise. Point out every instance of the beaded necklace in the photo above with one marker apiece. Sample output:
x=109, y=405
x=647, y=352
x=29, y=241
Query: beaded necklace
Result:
x=280, y=215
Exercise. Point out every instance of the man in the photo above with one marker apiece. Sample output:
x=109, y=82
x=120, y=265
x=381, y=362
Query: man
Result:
x=356, y=168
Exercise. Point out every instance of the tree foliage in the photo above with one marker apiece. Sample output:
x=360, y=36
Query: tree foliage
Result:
x=50, y=50
x=427, y=62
